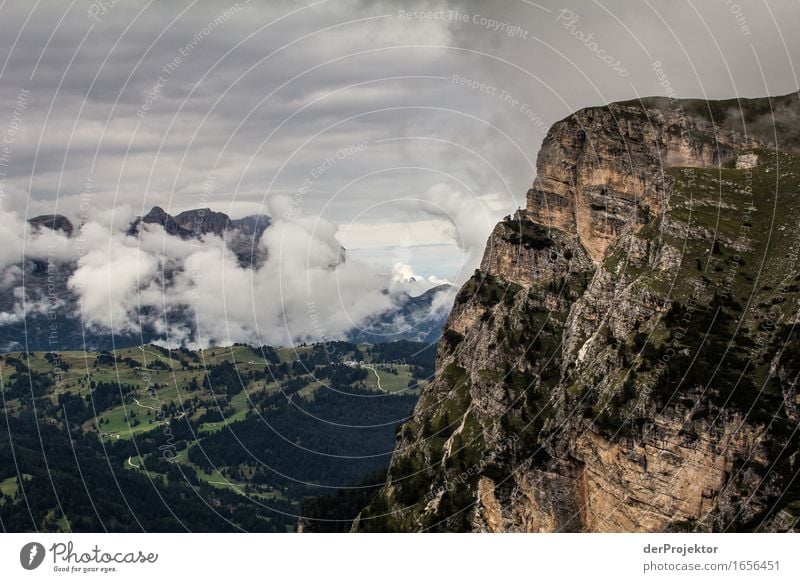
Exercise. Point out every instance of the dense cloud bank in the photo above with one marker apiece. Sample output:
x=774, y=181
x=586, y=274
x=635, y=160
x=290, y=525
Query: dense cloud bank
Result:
x=195, y=290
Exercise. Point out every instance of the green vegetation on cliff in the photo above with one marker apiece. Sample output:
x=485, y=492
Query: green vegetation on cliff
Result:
x=629, y=341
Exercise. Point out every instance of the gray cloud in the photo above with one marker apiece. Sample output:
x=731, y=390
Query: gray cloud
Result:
x=144, y=104
x=208, y=68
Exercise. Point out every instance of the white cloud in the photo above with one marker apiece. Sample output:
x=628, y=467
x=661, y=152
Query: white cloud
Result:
x=404, y=279
x=108, y=279
x=469, y=220
x=302, y=292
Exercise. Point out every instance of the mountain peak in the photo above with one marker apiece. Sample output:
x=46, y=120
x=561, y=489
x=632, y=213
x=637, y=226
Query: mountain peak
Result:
x=53, y=222
x=241, y=234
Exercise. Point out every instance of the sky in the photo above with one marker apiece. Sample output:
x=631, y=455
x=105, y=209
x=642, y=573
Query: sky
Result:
x=406, y=129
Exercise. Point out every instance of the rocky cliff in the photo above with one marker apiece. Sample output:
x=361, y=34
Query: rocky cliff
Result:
x=625, y=358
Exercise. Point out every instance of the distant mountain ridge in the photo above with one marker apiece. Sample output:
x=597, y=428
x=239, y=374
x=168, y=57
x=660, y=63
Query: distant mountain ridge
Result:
x=53, y=222
x=415, y=318
x=202, y=221
x=241, y=234
x=411, y=318
x=189, y=223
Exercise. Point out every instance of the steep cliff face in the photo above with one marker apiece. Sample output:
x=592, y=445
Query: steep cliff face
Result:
x=625, y=357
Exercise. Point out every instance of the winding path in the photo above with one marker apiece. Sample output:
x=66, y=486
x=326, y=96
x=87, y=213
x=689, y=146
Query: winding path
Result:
x=145, y=405
x=378, y=376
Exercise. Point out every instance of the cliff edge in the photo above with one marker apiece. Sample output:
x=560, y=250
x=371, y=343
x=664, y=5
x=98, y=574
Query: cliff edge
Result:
x=625, y=358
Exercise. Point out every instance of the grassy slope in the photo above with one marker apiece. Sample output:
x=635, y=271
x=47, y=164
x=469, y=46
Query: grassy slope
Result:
x=741, y=248
x=754, y=233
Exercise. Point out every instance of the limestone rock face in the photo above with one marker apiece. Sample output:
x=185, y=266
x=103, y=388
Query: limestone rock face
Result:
x=602, y=167
x=620, y=361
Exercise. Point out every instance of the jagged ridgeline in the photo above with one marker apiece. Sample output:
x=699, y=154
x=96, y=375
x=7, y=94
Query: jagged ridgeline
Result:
x=625, y=358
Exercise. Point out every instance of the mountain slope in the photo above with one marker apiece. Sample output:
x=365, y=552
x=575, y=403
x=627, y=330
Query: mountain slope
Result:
x=418, y=318
x=625, y=358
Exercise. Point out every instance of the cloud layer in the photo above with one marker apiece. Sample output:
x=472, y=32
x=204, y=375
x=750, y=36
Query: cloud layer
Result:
x=195, y=291
x=419, y=118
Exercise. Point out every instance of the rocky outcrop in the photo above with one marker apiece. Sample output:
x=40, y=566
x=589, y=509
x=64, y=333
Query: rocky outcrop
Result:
x=241, y=234
x=594, y=187
x=53, y=222
x=158, y=215
x=600, y=371
x=201, y=221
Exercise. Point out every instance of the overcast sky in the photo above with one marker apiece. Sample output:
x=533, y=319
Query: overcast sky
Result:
x=362, y=113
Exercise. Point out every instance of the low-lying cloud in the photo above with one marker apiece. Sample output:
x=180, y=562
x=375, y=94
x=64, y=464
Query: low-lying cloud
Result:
x=195, y=291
